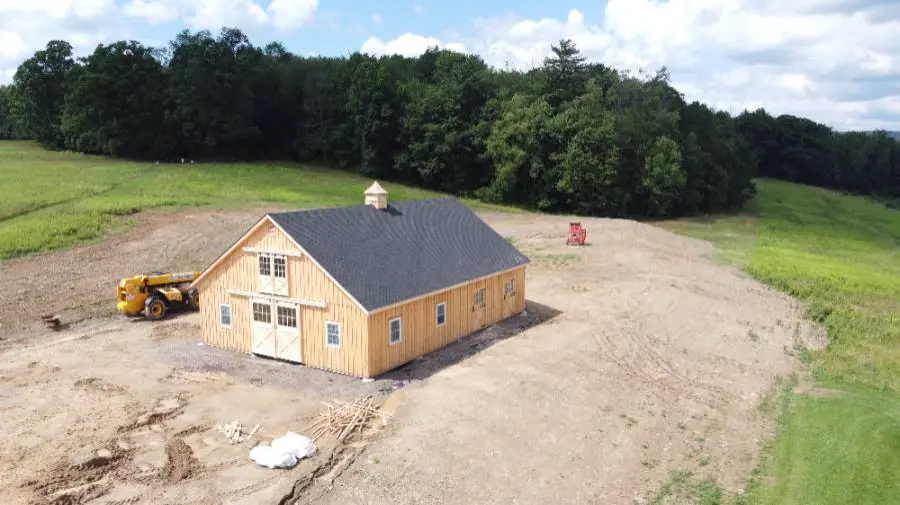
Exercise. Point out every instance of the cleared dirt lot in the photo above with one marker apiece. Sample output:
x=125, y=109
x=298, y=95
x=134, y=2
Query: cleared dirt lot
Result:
x=654, y=358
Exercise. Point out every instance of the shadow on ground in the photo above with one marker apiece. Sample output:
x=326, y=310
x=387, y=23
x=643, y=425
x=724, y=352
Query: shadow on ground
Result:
x=189, y=355
x=435, y=361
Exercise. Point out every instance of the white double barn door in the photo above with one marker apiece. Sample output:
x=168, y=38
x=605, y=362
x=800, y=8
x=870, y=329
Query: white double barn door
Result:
x=276, y=329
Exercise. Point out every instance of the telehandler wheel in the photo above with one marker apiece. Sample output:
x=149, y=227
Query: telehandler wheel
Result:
x=155, y=309
x=194, y=299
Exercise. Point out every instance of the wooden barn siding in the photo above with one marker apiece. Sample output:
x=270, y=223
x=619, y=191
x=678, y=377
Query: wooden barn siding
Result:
x=305, y=281
x=420, y=334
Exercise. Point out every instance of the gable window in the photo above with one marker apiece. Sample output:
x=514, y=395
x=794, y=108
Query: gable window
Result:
x=441, y=316
x=332, y=334
x=273, y=273
x=262, y=312
x=225, y=315
x=509, y=288
x=265, y=265
x=280, y=270
x=478, y=299
x=394, y=326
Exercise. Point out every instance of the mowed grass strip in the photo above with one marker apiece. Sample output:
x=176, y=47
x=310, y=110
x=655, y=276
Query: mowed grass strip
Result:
x=52, y=200
x=839, y=442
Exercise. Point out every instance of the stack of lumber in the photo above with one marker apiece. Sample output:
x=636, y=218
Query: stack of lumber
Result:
x=235, y=431
x=343, y=418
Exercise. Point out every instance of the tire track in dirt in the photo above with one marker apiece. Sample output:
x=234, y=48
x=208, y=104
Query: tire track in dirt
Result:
x=79, y=481
x=638, y=359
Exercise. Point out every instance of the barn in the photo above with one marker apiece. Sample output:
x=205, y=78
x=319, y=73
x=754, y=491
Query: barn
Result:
x=362, y=289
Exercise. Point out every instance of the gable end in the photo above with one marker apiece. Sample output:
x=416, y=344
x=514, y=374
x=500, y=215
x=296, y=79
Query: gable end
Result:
x=238, y=246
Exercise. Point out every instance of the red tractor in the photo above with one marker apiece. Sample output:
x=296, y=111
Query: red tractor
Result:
x=577, y=234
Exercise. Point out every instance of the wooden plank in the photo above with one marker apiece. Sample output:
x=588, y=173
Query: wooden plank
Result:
x=421, y=334
x=273, y=251
x=277, y=298
x=238, y=274
x=444, y=290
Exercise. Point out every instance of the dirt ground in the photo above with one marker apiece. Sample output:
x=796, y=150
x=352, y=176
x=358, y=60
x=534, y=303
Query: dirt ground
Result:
x=80, y=283
x=638, y=355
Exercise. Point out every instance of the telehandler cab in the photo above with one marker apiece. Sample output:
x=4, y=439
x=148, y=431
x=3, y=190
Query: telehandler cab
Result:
x=154, y=294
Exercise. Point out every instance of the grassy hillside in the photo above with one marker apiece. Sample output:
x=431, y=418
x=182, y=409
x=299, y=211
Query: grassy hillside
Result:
x=839, y=442
x=51, y=200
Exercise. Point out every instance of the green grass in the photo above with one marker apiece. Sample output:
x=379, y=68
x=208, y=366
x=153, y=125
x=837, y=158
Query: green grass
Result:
x=51, y=200
x=683, y=488
x=840, y=255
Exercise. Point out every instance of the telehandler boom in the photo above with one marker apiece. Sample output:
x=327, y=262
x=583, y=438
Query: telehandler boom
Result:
x=154, y=294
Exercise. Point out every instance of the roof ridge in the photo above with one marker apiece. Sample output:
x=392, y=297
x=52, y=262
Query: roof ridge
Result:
x=357, y=205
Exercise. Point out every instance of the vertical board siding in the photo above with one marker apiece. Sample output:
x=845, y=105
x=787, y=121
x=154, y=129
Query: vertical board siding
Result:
x=420, y=333
x=305, y=281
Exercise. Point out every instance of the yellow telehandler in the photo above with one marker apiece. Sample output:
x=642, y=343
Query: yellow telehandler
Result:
x=155, y=293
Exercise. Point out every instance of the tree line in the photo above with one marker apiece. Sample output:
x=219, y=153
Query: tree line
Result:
x=568, y=136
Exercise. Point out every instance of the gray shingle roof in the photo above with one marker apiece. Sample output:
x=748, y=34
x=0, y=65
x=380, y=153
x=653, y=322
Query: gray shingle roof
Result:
x=408, y=249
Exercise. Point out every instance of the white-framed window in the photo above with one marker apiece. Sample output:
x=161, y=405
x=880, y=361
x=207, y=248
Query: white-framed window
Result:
x=332, y=334
x=272, y=273
x=262, y=312
x=478, y=298
x=287, y=316
x=265, y=265
x=509, y=288
x=395, y=329
x=280, y=263
x=225, y=315
x=441, y=314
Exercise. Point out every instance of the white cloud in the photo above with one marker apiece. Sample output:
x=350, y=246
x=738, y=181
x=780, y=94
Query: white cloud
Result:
x=12, y=45
x=27, y=26
x=211, y=15
x=153, y=12
x=290, y=14
x=408, y=44
x=832, y=60
x=376, y=19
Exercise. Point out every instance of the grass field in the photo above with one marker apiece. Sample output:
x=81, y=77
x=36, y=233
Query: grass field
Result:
x=839, y=443
x=51, y=200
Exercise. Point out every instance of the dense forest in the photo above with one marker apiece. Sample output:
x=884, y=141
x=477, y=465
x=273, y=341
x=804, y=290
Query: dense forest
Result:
x=568, y=136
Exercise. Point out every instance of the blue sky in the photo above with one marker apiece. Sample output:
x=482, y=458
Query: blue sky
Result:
x=836, y=61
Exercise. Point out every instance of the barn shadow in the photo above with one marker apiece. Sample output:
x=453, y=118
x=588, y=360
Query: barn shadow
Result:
x=424, y=367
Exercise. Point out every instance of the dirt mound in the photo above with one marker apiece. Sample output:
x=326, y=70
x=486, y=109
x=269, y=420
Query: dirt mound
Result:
x=100, y=385
x=177, y=330
x=78, y=482
x=180, y=463
x=166, y=408
x=191, y=377
x=200, y=428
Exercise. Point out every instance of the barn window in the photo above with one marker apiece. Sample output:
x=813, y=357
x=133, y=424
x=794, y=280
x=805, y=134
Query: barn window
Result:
x=509, y=288
x=287, y=316
x=265, y=265
x=280, y=270
x=225, y=315
x=394, y=325
x=262, y=312
x=441, y=314
x=478, y=300
x=332, y=334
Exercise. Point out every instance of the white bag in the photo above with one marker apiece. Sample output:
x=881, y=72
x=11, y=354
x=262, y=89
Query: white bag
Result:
x=296, y=445
x=272, y=458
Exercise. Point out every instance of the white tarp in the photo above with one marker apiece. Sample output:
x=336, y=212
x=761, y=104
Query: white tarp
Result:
x=284, y=452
